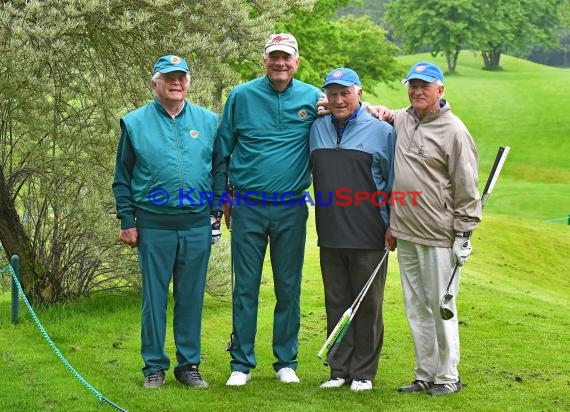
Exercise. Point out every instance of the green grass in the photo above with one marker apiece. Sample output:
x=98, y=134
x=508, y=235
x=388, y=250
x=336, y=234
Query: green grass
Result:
x=514, y=303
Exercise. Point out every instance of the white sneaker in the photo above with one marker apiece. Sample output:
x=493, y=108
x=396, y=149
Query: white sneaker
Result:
x=238, y=378
x=333, y=383
x=361, y=385
x=287, y=375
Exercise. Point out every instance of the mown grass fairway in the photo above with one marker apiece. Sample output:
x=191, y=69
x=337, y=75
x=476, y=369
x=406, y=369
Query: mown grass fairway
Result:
x=514, y=303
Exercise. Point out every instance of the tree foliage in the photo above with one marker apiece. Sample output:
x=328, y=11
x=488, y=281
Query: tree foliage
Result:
x=374, y=9
x=326, y=42
x=515, y=26
x=443, y=26
x=490, y=26
x=69, y=70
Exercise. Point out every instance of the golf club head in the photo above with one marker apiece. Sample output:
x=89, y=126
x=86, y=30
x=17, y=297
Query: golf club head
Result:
x=230, y=342
x=445, y=307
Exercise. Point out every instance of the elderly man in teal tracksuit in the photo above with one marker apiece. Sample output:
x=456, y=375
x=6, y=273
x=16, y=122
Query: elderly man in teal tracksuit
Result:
x=265, y=132
x=169, y=177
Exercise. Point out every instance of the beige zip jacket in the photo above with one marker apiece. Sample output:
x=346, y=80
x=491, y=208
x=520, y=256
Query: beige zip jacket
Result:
x=436, y=157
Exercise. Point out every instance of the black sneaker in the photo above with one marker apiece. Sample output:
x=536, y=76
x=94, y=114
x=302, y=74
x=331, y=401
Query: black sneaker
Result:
x=445, y=389
x=154, y=380
x=417, y=386
x=189, y=376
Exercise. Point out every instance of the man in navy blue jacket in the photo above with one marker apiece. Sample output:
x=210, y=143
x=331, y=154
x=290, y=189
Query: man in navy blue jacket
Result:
x=352, y=163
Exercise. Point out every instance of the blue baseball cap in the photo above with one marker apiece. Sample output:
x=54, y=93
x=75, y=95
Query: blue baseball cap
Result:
x=426, y=71
x=170, y=63
x=342, y=76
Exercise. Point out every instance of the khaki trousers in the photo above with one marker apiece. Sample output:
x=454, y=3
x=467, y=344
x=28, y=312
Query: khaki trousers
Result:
x=425, y=272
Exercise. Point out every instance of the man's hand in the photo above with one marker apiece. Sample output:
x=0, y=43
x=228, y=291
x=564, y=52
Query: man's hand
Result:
x=322, y=106
x=129, y=236
x=216, y=222
x=227, y=210
x=380, y=112
x=461, y=249
x=390, y=241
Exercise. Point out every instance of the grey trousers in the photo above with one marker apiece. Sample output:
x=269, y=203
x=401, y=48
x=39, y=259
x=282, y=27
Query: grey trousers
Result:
x=344, y=272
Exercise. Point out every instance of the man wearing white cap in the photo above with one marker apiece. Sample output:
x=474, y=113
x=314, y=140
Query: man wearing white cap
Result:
x=168, y=147
x=265, y=138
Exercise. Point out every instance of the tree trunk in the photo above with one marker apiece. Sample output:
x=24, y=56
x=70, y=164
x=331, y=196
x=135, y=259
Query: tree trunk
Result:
x=15, y=241
x=496, y=58
x=491, y=57
x=451, y=58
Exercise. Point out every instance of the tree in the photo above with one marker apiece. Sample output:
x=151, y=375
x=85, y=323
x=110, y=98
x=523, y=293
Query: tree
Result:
x=491, y=26
x=509, y=25
x=371, y=8
x=69, y=70
x=326, y=42
x=443, y=27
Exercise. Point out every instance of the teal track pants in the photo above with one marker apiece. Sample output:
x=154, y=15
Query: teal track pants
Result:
x=180, y=255
x=284, y=228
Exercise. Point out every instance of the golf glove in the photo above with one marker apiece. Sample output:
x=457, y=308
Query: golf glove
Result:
x=216, y=222
x=461, y=249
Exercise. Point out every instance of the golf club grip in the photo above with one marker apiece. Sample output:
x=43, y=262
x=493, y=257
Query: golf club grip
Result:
x=494, y=168
x=335, y=333
x=337, y=343
x=495, y=172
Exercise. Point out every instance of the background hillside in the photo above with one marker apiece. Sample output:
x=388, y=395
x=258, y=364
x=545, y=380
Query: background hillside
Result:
x=514, y=303
x=520, y=107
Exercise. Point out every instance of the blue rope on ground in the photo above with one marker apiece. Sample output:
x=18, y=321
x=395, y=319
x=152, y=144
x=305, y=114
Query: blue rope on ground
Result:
x=99, y=395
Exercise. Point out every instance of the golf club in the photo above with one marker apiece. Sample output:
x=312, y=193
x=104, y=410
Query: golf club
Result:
x=341, y=328
x=444, y=306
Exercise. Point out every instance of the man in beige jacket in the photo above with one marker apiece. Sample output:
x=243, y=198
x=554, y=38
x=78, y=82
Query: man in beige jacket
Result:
x=435, y=155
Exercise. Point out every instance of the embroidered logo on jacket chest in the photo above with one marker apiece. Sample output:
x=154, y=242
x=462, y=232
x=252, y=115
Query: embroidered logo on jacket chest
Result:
x=194, y=134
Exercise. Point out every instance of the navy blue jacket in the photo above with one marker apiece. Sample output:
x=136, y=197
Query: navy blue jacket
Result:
x=352, y=178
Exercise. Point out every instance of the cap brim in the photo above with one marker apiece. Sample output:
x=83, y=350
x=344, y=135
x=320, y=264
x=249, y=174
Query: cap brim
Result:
x=341, y=82
x=172, y=69
x=281, y=47
x=428, y=79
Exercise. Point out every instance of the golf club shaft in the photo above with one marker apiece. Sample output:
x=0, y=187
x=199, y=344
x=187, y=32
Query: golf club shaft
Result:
x=366, y=286
x=452, y=277
x=364, y=290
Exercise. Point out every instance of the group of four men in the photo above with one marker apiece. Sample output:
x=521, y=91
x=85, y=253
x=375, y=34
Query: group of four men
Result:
x=269, y=142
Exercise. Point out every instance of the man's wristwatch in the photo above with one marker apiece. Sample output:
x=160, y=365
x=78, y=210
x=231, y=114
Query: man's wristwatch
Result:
x=463, y=234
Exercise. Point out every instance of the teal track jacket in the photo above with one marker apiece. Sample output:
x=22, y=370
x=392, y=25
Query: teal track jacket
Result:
x=168, y=170
x=266, y=133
